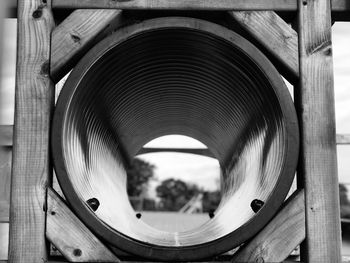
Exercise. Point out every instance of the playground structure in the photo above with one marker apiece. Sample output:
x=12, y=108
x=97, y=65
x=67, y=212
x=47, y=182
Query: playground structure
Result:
x=304, y=57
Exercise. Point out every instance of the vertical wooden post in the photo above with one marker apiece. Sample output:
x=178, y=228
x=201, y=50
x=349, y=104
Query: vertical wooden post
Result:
x=318, y=162
x=33, y=105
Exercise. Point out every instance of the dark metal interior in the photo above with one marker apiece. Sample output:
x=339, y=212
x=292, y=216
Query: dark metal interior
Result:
x=175, y=76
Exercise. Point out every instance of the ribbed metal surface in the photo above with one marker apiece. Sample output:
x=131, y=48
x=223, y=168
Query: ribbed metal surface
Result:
x=175, y=76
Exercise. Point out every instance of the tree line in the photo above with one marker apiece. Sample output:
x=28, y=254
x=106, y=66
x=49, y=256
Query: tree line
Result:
x=172, y=193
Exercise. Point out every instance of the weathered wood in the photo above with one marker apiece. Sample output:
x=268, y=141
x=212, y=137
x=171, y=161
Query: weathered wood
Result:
x=278, y=239
x=6, y=132
x=5, y=182
x=315, y=105
x=180, y=5
x=33, y=106
x=70, y=236
x=275, y=35
x=10, y=8
x=76, y=34
x=4, y=240
x=242, y=5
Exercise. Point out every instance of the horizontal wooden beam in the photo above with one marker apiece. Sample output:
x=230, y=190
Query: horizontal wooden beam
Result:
x=4, y=240
x=70, y=236
x=76, y=34
x=11, y=8
x=6, y=134
x=180, y=4
x=5, y=182
x=278, y=239
x=243, y=5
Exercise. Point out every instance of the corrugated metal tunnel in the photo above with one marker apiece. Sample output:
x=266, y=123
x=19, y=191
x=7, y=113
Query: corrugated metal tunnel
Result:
x=175, y=76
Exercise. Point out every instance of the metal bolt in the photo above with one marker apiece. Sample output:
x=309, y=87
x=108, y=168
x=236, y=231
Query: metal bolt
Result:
x=93, y=203
x=256, y=205
x=77, y=252
x=211, y=214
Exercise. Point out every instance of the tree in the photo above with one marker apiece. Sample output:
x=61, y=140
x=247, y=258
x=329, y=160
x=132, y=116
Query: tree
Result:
x=211, y=201
x=138, y=176
x=344, y=202
x=174, y=194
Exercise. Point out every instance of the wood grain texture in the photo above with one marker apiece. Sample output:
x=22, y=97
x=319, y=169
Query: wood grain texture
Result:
x=242, y=5
x=76, y=34
x=71, y=237
x=33, y=105
x=275, y=35
x=315, y=105
x=278, y=239
x=4, y=240
x=180, y=4
x=6, y=132
x=5, y=182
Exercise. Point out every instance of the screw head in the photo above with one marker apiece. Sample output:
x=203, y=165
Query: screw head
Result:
x=256, y=205
x=77, y=252
x=93, y=203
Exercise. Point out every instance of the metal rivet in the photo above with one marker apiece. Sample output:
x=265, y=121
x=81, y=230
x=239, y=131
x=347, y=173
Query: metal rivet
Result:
x=77, y=252
x=53, y=213
x=93, y=203
x=138, y=215
x=211, y=214
x=256, y=205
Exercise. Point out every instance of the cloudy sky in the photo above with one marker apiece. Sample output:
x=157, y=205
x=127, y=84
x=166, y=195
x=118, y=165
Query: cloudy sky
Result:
x=190, y=167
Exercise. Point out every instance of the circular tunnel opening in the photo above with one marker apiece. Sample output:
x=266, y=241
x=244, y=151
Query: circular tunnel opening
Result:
x=173, y=183
x=175, y=76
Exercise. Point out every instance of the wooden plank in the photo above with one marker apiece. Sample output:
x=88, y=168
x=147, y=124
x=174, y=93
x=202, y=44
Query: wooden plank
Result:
x=4, y=240
x=10, y=8
x=275, y=35
x=33, y=106
x=278, y=239
x=340, y=8
x=5, y=182
x=180, y=5
x=6, y=132
x=239, y=5
x=76, y=34
x=315, y=105
x=70, y=236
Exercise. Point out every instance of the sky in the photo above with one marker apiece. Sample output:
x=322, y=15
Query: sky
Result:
x=191, y=168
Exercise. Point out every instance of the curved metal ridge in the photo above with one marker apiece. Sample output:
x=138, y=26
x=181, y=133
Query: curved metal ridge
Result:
x=175, y=76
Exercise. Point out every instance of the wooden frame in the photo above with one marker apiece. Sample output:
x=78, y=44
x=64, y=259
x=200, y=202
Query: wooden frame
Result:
x=35, y=95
